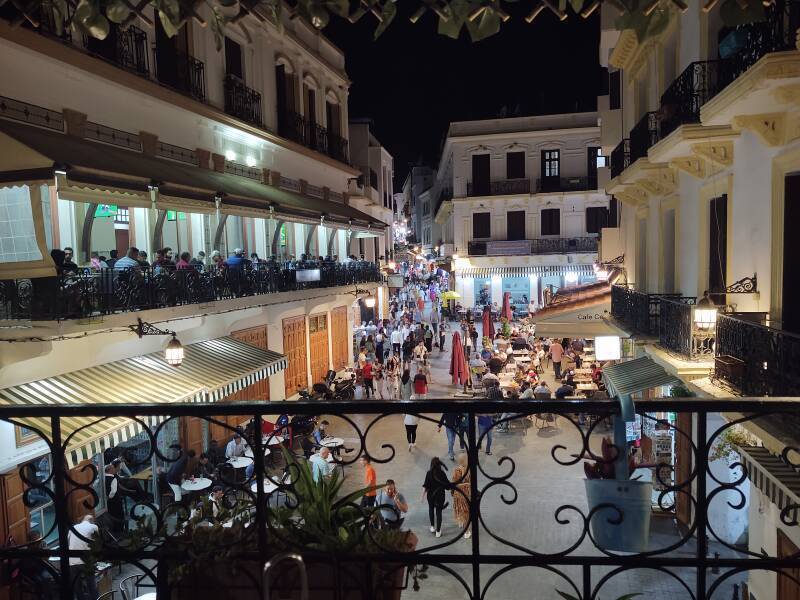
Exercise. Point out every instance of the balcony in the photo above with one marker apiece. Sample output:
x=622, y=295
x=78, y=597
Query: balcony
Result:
x=680, y=333
x=90, y=293
x=297, y=128
x=768, y=355
x=566, y=184
x=241, y=101
x=532, y=247
x=126, y=48
x=620, y=158
x=638, y=312
x=213, y=553
x=502, y=187
x=644, y=135
x=186, y=75
x=699, y=82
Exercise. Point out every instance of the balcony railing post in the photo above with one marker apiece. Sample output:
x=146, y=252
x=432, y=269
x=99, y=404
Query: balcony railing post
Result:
x=63, y=522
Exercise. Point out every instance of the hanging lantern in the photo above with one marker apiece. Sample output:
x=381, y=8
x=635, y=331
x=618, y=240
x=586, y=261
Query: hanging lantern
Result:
x=173, y=354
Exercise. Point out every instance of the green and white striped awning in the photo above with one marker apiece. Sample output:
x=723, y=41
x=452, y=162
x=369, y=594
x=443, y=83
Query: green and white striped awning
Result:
x=210, y=371
x=634, y=376
x=773, y=476
x=539, y=270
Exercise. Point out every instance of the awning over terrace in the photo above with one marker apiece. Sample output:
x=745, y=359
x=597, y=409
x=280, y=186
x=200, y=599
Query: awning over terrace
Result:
x=31, y=154
x=210, y=371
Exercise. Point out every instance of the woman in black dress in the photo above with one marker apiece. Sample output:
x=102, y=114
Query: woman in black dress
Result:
x=434, y=487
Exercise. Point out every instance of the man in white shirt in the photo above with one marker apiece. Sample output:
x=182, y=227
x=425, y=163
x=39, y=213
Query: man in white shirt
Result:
x=320, y=467
x=397, y=340
x=83, y=583
x=235, y=447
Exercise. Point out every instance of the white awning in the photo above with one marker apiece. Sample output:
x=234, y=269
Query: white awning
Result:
x=539, y=270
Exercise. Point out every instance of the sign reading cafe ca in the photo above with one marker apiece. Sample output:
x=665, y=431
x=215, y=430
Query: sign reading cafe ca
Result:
x=589, y=316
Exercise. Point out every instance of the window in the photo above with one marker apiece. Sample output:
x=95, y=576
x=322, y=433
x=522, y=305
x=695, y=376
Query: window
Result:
x=592, y=154
x=515, y=165
x=551, y=221
x=614, y=90
x=333, y=118
x=550, y=163
x=596, y=218
x=233, y=59
x=481, y=226
x=515, y=225
x=480, y=174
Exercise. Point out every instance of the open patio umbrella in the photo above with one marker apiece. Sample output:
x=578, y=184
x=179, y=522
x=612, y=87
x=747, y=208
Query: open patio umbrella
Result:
x=451, y=295
x=458, y=367
x=488, y=325
x=506, y=312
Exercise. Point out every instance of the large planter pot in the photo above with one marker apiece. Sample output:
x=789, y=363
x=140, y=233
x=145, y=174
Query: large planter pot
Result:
x=241, y=579
x=633, y=499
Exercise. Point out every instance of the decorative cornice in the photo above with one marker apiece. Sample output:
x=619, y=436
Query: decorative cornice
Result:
x=693, y=165
x=770, y=128
x=788, y=94
x=625, y=49
x=719, y=152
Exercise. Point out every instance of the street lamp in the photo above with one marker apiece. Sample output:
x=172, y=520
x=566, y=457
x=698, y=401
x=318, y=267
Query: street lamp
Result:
x=173, y=353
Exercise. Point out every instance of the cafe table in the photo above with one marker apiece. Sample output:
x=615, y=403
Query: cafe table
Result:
x=196, y=485
x=240, y=462
x=249, y=452
x=332, y=442
x=269, y=486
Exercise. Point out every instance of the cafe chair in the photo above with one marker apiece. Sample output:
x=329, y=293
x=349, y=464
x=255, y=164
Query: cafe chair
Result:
x=544, y=420
x=129, y=587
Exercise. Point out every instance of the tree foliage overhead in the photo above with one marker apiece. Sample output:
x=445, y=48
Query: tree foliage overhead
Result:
x=479, y=18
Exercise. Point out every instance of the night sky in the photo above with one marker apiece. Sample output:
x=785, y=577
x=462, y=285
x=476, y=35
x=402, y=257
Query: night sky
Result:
x=412, y=81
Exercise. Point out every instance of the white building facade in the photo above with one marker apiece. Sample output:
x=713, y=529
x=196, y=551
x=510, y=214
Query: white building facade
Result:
x=518, y=205
x=699, y=123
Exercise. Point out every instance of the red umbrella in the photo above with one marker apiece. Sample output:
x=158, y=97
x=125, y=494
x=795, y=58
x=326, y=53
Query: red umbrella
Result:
x=488, y=325
x=506, y=312
x=458, y=368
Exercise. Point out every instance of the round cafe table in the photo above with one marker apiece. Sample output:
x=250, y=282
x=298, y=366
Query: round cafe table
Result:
x=332, y=442
x=241, y=462
x=269, y=486
x=249, y=452
x=197, y=485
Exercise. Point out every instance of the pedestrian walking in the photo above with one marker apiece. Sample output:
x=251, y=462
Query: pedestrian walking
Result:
x=428, y=337
x=377, y=376
x=433, y=488
x=421, y=385
x=392, y=377
x=444, y=329
x=556, y=353
x=452, y=427
x=411, y=423
x=462, y=494
x=367, y=376
x=406, y=385
x=435, y=322
x=370, y=482
x=379, y=337
x=397, y=340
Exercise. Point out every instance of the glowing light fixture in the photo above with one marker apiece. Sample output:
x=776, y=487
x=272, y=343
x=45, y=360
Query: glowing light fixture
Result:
x=173, y=353
x=571, y=277
x=705, y=313
x=230, y=155
x=250, y=161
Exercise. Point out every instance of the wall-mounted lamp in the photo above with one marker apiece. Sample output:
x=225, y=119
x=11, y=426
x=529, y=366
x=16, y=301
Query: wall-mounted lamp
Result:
x=369, y=301
x=173, y=353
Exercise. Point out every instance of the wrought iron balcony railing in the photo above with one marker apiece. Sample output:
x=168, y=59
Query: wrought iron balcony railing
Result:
x=297, y=128
x=620, y=157
x=535, y=246
x=698, y=83
x=501, y=187
x=182, y=72
x=566, y=184
x=106, y=291
x=217, y=547
x=644, y=135
x=680, y=332
x=126, y=48
x=241, y=101
x=768, y=355
x=637, y=311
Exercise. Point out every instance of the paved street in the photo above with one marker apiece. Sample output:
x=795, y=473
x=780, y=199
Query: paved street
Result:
x=541, y=486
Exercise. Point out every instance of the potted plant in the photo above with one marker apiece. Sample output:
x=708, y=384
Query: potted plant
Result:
x=505, y=328
x=316, y=522
x=728, y=444
x=619, y=507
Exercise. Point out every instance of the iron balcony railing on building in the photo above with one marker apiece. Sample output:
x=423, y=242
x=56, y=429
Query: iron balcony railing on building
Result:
x=126, y=48
x=338, y=148
x=502, y=187
x=681, y=332
x=644, y=135
x=620, y=157
x=698, y=83
x=638, y=312
x=566, y=184
x=219, y=548
x=535, y=246
x=182, y=72
x=106, y=291
x=297, y=128
x=241, y=101
x=767, y=356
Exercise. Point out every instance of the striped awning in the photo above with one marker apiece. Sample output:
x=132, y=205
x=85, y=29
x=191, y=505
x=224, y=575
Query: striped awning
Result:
x=210, y=371
x=773, y=476
x=539, y=270
x=634, y=376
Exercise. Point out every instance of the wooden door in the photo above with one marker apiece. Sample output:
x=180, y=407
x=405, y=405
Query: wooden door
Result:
x=14, y=511
x=683, y=468
x=787, y=589
x=255, y=336
x=318, y=337
x=294, y=347
x=76, y=507
x=339, y=339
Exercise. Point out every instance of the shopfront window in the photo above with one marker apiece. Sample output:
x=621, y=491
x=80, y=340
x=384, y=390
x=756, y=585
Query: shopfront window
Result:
x=520, y=290
x=483, y=292
x=17, y=232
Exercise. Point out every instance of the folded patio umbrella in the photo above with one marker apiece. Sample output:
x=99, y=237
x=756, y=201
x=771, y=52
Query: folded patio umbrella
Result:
x=506, y=311
x=488, y=325
x=458, y=368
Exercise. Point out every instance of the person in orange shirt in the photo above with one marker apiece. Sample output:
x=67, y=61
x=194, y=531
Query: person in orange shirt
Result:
x=370, y=481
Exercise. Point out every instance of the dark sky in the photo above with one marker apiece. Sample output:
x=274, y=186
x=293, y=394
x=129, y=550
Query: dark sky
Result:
x=412, y=81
